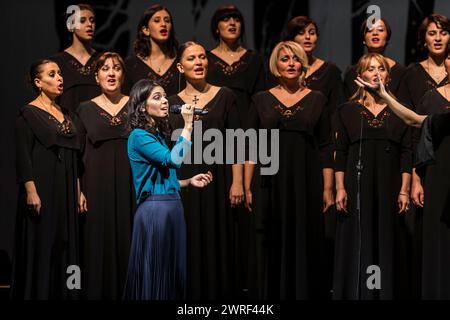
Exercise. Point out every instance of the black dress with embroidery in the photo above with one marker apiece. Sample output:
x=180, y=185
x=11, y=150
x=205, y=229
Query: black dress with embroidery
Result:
x=350, y=87
x=377, y=236
x=327, y=79
x=107, y=185
x=47, y=153
x=436, y=183
x=136, y=69
x=211, y=264
x=245, y=77
x=287, y=216
x=79, y=80
x=416, y=82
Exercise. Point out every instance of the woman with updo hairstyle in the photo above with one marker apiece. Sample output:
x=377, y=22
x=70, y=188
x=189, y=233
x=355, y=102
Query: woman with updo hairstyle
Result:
x=155, y=52
x=78, y=60
x=106, y=183
x=48, y=145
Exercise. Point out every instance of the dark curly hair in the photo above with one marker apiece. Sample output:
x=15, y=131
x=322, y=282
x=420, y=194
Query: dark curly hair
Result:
x=142, y=44
x=137, y=110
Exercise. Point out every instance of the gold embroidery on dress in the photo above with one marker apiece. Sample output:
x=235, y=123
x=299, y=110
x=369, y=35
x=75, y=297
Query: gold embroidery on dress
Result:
x=289, y=112
x=373, y=121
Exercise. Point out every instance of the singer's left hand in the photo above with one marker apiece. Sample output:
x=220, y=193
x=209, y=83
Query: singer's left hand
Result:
x=328, y=200
x=201, y=180
x=236, y=194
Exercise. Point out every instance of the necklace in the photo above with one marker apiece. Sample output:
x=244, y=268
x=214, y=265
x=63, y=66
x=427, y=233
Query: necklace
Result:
x=160, y=65
x=195, y=99
x=64, y=127
x=437, y=76
x=230, y=52
x=114, y=120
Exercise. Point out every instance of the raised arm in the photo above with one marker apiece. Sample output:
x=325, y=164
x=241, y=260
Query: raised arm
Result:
x=410, y=117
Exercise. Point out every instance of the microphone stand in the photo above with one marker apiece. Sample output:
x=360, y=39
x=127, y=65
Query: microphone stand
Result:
x=359, y=169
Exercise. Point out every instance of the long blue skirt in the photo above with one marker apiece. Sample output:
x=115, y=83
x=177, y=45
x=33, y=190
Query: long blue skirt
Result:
x=157, y=264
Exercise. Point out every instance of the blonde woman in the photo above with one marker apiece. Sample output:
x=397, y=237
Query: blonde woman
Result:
x=373, y=174
x=287, y=207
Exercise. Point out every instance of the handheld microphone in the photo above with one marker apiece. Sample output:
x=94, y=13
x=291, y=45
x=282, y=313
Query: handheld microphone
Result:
x=176, y=109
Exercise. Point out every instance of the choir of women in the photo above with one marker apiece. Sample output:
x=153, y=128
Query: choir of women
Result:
x=114, y=185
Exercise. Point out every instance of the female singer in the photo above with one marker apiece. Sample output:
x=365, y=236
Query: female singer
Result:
x=155, y=52
x=106, y=183
x=373, y=164
x=157, y=265
x=376, y=39
x=77, y=62
x=321, y=75
x=289, y=205
x=230, y=63
x=419, y=78
x=48, y=145
x=211, y=238
x=432, y=162
x=325, y=77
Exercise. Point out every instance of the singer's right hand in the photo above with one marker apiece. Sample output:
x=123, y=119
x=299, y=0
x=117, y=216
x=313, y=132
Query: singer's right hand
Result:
x=341, y=200
x=187, y=111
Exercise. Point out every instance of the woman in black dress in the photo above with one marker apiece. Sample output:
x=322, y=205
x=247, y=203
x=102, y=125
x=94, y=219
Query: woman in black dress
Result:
x=77, y=62
x=321, y=75
x=371, y=231
x=325, y=77
x=288, y=206
x=376, y=39
x=432, y=163
x=107, y=185
x=419, y=78
x=48, y=143
x=155, y=52
x=210, y=224
x=230, y=63
x=242, y=70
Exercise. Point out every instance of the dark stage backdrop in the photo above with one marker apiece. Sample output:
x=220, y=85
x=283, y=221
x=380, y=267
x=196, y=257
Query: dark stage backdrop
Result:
x=35, y=29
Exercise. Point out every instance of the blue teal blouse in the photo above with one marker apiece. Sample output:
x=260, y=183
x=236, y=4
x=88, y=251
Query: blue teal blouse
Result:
x=153, y=164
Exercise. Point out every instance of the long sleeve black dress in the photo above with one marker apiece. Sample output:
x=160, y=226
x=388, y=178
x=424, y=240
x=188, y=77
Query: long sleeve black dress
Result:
x=378, y=235
x=107, y=185
x=47, y=244
x=287, y=206
x=211, y=265
x=436, y=211
x=136, y=69
x=79, y=80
